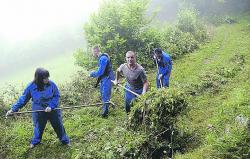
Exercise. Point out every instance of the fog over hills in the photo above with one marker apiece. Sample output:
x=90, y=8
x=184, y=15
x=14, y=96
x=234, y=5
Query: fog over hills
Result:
x=33, y=32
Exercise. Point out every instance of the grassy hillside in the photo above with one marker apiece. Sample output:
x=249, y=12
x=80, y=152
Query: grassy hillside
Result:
x=222, y=70
x=217, y=77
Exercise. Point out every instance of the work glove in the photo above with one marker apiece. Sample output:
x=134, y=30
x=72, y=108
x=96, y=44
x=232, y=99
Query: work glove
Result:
x=160, y=76
x=8, y=113
x=47, y=109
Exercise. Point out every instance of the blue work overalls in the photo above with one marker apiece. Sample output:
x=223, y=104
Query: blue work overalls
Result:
x=49, y=97
x=129, y=97
x=164, y=67
x=106, y=74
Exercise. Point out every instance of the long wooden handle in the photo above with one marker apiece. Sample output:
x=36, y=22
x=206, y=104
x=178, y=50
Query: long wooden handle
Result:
x=61, y=108
x=127, y=89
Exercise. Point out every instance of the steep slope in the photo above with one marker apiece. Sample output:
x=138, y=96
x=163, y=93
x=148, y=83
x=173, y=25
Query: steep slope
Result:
x=217, y=78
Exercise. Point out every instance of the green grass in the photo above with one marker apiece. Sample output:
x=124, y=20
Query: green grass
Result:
x=217, y=109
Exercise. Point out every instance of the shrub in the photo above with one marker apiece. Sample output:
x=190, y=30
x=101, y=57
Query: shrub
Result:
x=118, y=27
x=84, y=59
x=179, y=43
x=188, y=22
x=156, y=113
x=80, y=91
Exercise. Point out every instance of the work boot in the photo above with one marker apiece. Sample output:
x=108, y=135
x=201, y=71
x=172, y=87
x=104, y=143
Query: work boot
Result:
x=104, y=115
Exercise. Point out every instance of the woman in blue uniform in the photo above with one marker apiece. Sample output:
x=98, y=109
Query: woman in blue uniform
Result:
x=45, y=96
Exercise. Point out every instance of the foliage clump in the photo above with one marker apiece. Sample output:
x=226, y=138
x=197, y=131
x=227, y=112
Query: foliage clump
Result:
x=79, y=91
x=155, y=113
x=157, y=109
x=186, y=35
x=120, y=26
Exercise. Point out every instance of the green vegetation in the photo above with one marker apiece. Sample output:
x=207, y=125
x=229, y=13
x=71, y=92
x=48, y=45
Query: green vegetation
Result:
x=120, y=26
x=213, y=113
x=207, y=128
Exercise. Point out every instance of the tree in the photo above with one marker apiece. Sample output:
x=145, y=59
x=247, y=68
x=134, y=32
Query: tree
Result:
x=120, y=26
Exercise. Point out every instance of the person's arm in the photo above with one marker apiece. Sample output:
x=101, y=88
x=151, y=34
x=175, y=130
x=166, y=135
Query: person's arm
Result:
x=145, y=87
x=54, y=102
x=23, y=100
x=102, y=66
x=117, y=75
x=145, y=81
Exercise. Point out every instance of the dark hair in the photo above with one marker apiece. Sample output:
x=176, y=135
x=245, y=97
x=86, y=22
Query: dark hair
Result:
x=40, y=74
x=157, y=51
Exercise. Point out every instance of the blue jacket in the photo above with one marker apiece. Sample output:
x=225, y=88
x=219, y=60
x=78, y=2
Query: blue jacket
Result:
x=165, y=64
x=40, y=99
x=104, y=60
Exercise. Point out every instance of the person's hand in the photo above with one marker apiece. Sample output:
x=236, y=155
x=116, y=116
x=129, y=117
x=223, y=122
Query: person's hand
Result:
x=8, y=113
x=115, y=82
x=91, y=74
x=47, y=109
x=160, y=76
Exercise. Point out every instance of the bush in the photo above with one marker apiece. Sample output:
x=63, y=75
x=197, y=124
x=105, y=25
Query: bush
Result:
x=188, y=22
x=84, y=59
x=179, y=43
x=150, y=39
x=118, y=27
x=186, y=36
x=80, y=91
x=157, y=109
x=155, y=113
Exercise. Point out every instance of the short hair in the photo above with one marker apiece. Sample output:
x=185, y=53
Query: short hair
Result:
x=131, y=52
x=157, y=51
x=96, y=47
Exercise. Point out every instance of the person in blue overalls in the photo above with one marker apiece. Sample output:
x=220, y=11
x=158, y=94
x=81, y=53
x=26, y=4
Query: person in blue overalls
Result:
x=45, y=96
x=164, y=66
x=104, y=75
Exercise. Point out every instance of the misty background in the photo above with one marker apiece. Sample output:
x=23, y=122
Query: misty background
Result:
x=43, y=34
x=46, y=33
